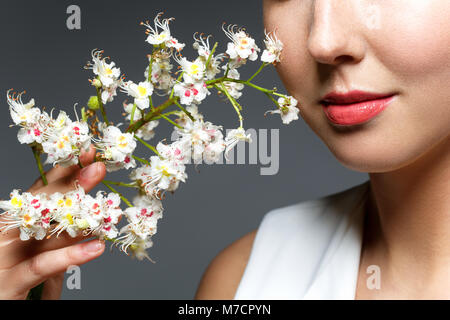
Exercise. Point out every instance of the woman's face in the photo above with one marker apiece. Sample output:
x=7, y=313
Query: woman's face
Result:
x=390, y=47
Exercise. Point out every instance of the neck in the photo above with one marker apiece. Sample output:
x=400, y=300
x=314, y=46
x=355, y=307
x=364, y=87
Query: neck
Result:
x=409, y=212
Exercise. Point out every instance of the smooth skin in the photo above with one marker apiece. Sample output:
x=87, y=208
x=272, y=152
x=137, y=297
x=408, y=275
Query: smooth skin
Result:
x=382, y=46
x=25, y=264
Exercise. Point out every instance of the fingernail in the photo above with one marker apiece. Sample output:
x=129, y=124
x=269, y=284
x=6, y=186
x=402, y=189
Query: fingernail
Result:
x=93, y=246
x=90, y=171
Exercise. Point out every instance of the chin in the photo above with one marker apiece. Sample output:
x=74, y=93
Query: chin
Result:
x=374, y=153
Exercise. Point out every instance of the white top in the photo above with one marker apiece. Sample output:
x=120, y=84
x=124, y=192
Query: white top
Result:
x=309, y=250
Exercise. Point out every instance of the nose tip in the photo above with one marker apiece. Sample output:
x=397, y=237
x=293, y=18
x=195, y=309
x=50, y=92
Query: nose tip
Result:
x=333, y=40
x=326, y=53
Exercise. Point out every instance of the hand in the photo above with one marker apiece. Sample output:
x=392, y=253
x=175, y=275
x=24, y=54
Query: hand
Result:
x=26, y=264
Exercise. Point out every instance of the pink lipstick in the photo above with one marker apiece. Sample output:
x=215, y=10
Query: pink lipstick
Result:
x=354, y=107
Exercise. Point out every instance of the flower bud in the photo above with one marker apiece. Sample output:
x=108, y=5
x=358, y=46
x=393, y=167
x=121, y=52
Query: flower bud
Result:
x=96, y=83
x=82, y=223
x=93, y=103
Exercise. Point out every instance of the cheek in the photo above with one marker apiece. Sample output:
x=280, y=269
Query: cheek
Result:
x=409, y=51
x=415, y=41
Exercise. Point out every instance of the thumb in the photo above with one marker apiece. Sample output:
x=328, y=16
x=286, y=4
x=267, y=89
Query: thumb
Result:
x=91, y=175
x=87, y=178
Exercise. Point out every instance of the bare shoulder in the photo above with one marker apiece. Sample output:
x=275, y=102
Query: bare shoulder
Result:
x=221, y=279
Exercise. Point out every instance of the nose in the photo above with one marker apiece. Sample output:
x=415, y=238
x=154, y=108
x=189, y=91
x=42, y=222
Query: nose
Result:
x=334, y=35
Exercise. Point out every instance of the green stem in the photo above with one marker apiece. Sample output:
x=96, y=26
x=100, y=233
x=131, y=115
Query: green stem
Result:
x=37, y=157
x=152, y=114
x=36, y=292
x=147, y=145
x=226, y=71
x=143, y=161
x=173, y=89
x=151, y=102
x=256, y=73
x=184, y=110
x=171, y=121
x=120, y=195
x=228, y=96
x=166, y=114
x=121, y=184
x=233, y=103
x=271, y=98
x=132, y=114
x=102, y=108
x=150, y=66
x=210, y=55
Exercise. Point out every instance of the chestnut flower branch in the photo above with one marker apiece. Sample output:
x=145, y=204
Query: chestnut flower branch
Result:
x=63, y=139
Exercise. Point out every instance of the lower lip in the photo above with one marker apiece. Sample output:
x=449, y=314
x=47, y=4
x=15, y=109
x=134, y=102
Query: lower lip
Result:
x=355, y=113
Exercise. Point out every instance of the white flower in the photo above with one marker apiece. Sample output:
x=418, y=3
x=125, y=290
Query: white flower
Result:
x=190, y=93
x=273, y=48
x=101, y=214
x=288, y=109
x=233, y=88
x=183, y=117
x=108, y=93
x=205, y=140
x=68, y=212
x=145, y=132
x=149, y=207
x=242, y=44
x=163, y=37
x=73, y=212
x=161, y=67
x=117, y=148
x=192, y=71
x=234, y=136
x=32, y=121
x=28, y=213
x=236, y=63
x=107, y=73
x=142, y=225
x=140, y=92
x=160, y=176
x=64, y=140
x=22, y=113
x=202, y=46
x=179, y=150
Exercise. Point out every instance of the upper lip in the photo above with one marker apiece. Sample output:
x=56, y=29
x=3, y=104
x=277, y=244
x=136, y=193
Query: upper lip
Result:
x=352, y=97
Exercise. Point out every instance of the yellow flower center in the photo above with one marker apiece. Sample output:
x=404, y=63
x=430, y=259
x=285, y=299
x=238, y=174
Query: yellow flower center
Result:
x=142, y=91
x=194, y=68
x=161, y=36
x=122, y=141
x=69, y=218
x=16, y=202
x=164, y=171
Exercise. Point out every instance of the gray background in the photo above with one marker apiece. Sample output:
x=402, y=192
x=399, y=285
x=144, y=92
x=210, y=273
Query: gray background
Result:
x=217, y=205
